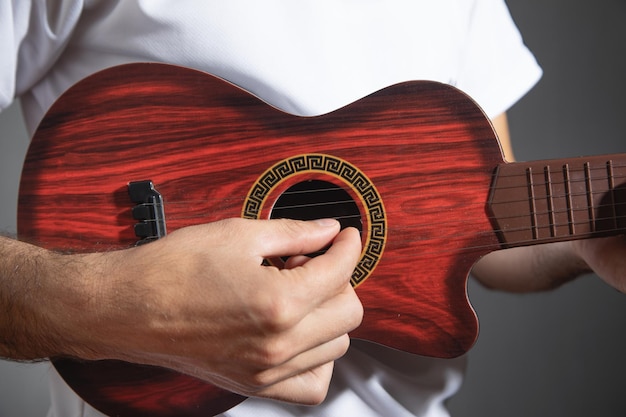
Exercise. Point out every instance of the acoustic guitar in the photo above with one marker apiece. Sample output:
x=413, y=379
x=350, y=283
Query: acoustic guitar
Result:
x=136, y=150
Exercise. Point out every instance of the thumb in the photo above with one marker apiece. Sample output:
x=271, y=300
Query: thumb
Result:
x=286, y=237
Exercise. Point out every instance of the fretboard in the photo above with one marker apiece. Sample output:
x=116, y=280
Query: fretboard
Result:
x=559, y=199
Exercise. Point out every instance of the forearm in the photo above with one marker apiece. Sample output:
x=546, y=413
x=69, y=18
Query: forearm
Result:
x=532, y=268
x=38, y=298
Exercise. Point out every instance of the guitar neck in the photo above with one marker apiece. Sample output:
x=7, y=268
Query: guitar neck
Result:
x=558, y=200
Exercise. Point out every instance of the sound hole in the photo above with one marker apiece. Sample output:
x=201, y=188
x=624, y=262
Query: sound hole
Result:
x=317, y=199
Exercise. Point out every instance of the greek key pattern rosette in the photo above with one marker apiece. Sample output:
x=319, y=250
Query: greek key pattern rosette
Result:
x=352, y=176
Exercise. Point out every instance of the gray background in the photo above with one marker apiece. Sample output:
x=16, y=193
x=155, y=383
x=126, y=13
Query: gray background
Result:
x=558, y=353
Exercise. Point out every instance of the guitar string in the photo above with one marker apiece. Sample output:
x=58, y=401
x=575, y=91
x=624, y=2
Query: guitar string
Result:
x=425, y=249
x=537, y=228
x=507, y=202
x=500, y=188
x=544, y=231
x=524, y=187
x=490, y=234
x=539, y=213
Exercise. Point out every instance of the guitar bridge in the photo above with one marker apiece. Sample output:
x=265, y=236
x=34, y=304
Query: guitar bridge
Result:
x=148, y=211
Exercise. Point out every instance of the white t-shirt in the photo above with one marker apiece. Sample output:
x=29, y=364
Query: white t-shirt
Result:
x=306, y=57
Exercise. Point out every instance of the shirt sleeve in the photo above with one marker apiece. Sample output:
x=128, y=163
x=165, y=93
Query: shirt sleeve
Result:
x=13, y=23
x=33, y=34
x=496, y=67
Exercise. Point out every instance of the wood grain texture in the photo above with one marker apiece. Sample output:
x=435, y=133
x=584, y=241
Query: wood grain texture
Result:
x=428, y=148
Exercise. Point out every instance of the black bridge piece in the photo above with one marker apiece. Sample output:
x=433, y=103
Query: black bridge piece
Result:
x=148, y=211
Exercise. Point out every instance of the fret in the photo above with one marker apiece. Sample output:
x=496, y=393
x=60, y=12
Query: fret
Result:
x=612, y=196
x=533, y=203
x=571, y=221
x=590, y=203
x=550, y=200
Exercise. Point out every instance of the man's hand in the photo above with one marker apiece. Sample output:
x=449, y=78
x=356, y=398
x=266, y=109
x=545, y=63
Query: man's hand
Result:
x=544, y=267
x=199, y=301
x=606, y=257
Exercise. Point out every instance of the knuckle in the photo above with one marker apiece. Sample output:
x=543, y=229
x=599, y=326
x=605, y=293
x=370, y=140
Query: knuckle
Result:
x=255, y=383
x=317, y=388
x=358, y=311
x=277, y=313
x=264, y=372
x=294, y=231
x=353, y=310
x=342, y=346
x=318, y=395
x=272, y=354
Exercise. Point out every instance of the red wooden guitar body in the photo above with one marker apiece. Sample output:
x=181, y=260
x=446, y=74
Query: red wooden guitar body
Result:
x=425, y=152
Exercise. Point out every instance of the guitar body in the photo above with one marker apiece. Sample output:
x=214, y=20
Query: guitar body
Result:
x=411, y=157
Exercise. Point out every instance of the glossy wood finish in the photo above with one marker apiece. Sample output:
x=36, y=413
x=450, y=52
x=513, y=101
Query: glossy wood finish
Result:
x=429, y=150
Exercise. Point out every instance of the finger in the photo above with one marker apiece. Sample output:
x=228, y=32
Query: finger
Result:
x=305, y=343
x=317, y=305
x=332, y=320
x=320, y=337
x=605, y=257
x=286, y=237
x=296, y=380
x=296, y=260
x=333, y=269
x=300, y=290
x=311, y=359
x=306, y=388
